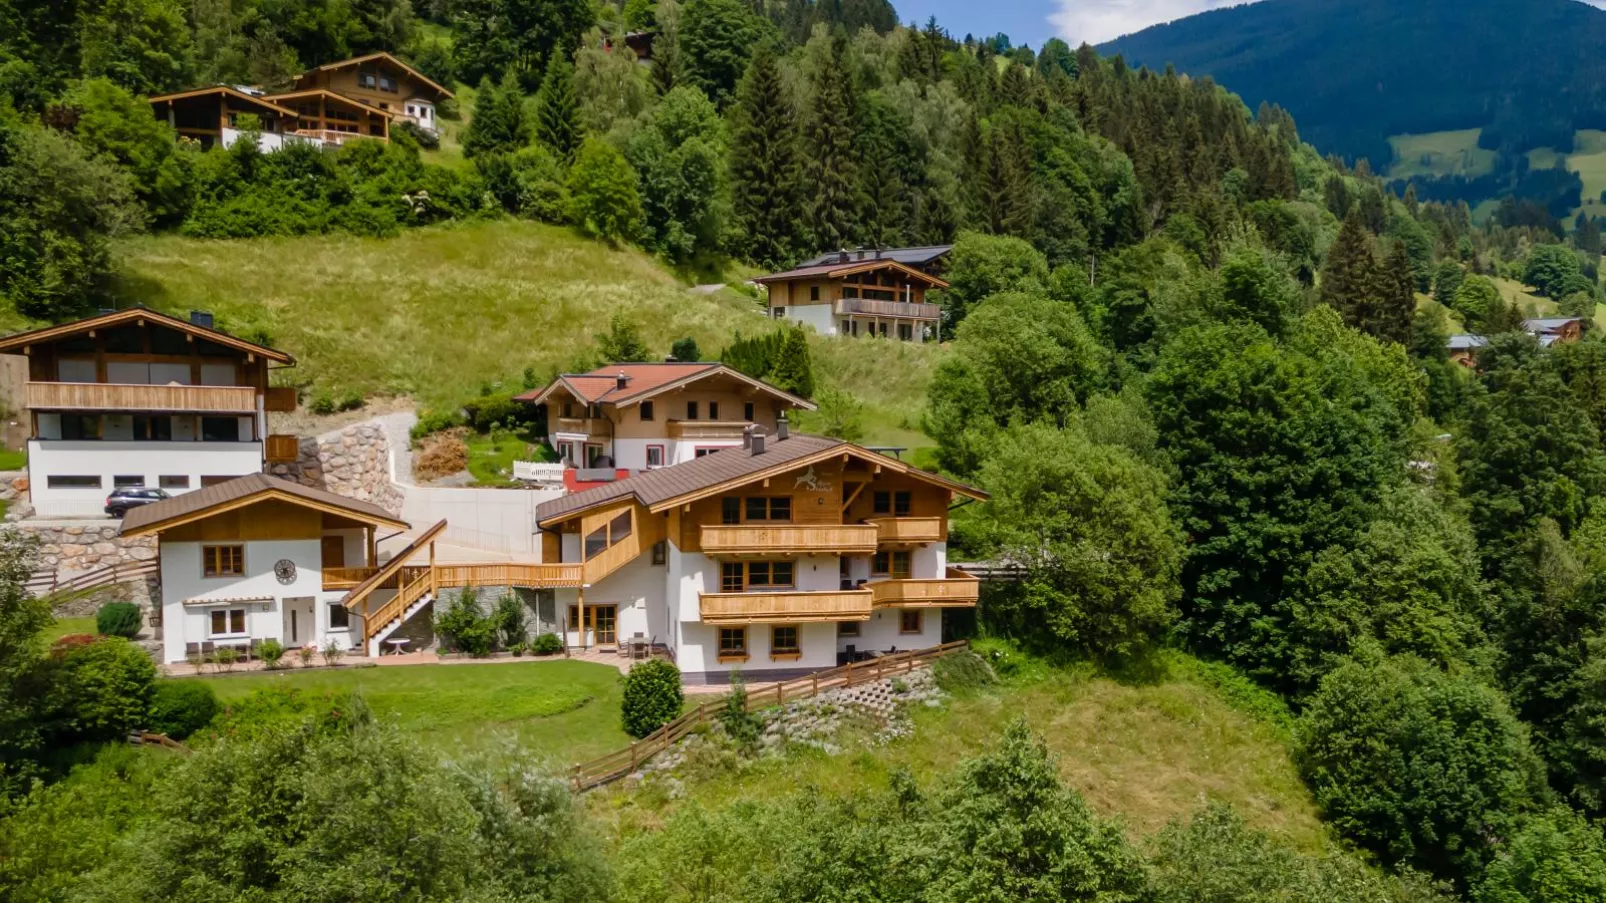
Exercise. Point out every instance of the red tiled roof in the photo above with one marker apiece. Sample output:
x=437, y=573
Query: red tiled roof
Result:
x=601, y=386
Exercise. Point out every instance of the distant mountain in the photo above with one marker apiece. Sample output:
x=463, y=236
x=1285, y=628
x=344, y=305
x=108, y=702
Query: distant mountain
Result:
x=1353, y=72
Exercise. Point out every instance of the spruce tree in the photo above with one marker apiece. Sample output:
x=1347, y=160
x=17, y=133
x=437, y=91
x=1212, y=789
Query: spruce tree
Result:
x=1396, y=298
x=793, y=371
x=1349, y=276
x=498, y=125
x=556, y=114
x=668, y=62
x=831, y=164
x=765, y=165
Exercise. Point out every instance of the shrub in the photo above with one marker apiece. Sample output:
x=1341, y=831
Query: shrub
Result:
x=179, y=708
x=652, y=697
x=271, y=652
x=510, y=620
x=1423, y=768
x=431, y=422
x=226, y=658
x=332, y=653
x=1559, y=856
x=322, y=403
x=121, y=619
x=741, y=725
x=547, y=644
x=306, y=652
x=963, y=671
x=100, y=690
x=464, y=628
x=488, y=411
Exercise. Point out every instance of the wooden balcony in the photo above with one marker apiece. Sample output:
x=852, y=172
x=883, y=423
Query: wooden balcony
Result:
x=785, y=607
x=280, y=400
x=587, y=426
x=531, y=576
x=910, y=530
x=43, y=396
x=892, y=309
x=707, y=429
x=789, y=539
x=345, y=578
x=957, y=590
x=282, y=449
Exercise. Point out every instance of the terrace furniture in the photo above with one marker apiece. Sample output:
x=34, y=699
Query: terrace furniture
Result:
x=639, y=647
x=397, y=647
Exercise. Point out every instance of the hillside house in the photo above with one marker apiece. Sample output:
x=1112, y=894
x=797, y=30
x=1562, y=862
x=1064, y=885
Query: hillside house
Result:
x=353, y=99
x=929, y=259
x=1553, y=330
x=1464, y=349
x=137, y=398
x=857, y=293
x=638, y=417
x=259, y=558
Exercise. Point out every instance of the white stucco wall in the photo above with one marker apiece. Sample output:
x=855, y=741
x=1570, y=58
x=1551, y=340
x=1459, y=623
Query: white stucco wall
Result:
x=638, y=591
x=499, y=520
x=109, y=459
x=818, y=316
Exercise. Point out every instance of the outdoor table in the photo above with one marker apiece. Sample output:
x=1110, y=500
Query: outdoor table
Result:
x=397, y=646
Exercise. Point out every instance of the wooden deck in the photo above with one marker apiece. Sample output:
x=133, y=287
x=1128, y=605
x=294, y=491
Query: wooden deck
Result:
x=783, y=607
x=53, y=396
x=789, y=539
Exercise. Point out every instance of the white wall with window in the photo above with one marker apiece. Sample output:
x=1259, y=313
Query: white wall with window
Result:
x=71, y=478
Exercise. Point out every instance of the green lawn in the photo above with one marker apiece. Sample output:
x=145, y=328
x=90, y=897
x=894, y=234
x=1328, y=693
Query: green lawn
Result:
x=561, y=712
x=1440, y=154
x=67, y=627
x=490, y=458
x=13, y=459
x=1147, y=751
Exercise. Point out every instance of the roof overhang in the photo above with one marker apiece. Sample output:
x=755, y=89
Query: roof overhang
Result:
x=848, y=269
x=224, y=90
x=20, y=341
x=341, y=99
x=358, y=60
x=713, y=370
x=264, y=495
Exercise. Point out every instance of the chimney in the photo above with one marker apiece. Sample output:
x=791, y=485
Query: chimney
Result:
x=201, y=318
x=877, y=252
x=843, y=256
x=861, y=253
x=747, y=436
x=621, y=381
x=783, y=430
x=756, y=447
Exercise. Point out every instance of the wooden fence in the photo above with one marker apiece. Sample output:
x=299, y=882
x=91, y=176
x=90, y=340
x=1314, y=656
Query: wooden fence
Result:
x=45, y=582
x=614, y=766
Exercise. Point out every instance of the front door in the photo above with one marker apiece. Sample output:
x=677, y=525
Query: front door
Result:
x=300, y=621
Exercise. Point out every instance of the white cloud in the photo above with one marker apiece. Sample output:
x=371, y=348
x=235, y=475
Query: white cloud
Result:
x=1097, y=21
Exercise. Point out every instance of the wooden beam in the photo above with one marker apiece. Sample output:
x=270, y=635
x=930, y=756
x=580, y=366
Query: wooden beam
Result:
x=850, y=500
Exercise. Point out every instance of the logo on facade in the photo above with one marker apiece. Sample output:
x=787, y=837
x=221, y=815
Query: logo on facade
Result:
x=807, y=478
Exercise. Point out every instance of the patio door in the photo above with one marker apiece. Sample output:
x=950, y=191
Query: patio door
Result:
x=601, y=624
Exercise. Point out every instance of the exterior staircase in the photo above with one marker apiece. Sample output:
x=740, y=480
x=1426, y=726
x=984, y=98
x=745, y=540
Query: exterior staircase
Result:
x=393, y=614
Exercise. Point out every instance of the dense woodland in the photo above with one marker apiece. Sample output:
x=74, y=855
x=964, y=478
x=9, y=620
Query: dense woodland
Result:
x=1201, y=368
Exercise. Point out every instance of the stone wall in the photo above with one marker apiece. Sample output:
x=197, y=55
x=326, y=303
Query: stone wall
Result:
x=355, y=462
x=72, y=550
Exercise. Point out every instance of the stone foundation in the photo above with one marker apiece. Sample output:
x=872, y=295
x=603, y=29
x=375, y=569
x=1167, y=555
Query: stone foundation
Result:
x=354, y=462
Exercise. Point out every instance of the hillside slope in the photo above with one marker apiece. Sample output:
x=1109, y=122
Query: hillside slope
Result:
x=1354, y=72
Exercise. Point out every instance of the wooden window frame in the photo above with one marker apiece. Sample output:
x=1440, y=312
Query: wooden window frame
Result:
x=228, y=617
x=713, y=410
x=851, y=630
x=885, y=564
x=213, y=563
x=732, y=577
x=787, y=653
x=904, y=614
x=880, y=502
x=771, y=583
x=903, y=503
x=770, y=504
x=735, y=653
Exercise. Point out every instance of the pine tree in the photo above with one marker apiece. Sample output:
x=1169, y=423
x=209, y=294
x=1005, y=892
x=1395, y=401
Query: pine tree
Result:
x=668, y=62
x=831, y=165
x=1349, y=276
x=1396, y=298
x=765, y=165
x=498, y=125
x=793, y=370
x=557, y=119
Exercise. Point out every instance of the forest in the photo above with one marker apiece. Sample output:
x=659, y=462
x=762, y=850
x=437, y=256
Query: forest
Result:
x=1202, y=369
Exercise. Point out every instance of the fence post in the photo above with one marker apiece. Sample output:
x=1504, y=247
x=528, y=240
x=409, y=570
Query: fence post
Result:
x=814, y=690
x=780, y=689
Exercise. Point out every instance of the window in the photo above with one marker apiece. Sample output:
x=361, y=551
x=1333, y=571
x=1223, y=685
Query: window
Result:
x=691, y=410
x=646, y=411
x=80, y=426
x=596, y=542
x=366, y=80
x=55, y=481
x=769, y=574
x=228, y=622
x=848, y=629
x=883, y=503
x=593, y=452
x=619, y=528
x=698, y=453
x=909, y=620
x=568, y=409
x=128, y=482
x=894, y=564
x=730, y=577
x=713, y=410
x=222, y=561
x=769, y=508
x=814, y=293
x=214, y=480
x=902, y=504
x=783, y=640
x=730, y=511
x=732, y=643
x=660, y=553
x=220, y=429
x=906, y=331
x=339, y=617
x=778, y=313
x=386, y=83
x=655, y=456
x=847, y=327
x=747, y=412
x=157, y=428
x=174, y=482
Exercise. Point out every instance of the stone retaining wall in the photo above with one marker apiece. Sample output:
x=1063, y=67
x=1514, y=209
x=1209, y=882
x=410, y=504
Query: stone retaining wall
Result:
x=354, y=462
x=72, y=550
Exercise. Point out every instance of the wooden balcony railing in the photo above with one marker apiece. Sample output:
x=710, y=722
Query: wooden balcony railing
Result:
x=898, y=309
x=280, y=400
x=789, y=539
x=910, y=529
x=589, y=426
x=785, y=607
x=345, y=578
x=707, y=429
x=122, y=397
x=281, y=449
x=529, y=576
x=957, y=590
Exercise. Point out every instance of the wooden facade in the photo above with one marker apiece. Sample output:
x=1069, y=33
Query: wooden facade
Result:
x=203, y=113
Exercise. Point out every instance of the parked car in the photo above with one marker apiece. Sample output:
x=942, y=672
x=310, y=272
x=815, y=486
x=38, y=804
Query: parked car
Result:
x=118, y=503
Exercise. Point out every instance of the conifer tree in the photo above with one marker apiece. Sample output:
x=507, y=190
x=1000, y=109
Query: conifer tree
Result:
x=831, y=165
x=765, y=165
x=498, y=125
x=557, y=119
x=793, y=371
x=668, y=62
x=1396, y=298
x=1349, y=276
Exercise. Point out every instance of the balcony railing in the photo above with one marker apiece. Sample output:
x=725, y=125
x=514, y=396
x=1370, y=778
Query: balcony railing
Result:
x=910, y=529
x=707, y=429
x=789, y=539
x=957, y=590
x=532, y=576
x=280, y=400
x=785, y=607
x=123, y=397
x=281, y=449
x=345, y=578
x=588, y=426
x=900, y=309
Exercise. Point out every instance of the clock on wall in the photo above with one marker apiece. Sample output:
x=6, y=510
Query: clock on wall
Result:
x=285, y=570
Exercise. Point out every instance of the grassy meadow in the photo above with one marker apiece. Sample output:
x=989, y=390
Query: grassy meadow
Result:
x=1440, y=154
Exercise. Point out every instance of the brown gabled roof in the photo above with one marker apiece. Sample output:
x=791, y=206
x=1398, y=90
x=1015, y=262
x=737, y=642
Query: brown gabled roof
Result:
x=839, y=270
x=669, y=486
x=118, y=317
x=249, y=489
x=384, y=56
x=221, y=89
x=332, y=95
x=643, y=381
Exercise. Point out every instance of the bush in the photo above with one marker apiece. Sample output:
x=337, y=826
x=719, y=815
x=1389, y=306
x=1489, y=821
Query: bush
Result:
x=431, y=422
x=547, y=644
x=962, y=671
x=1422, y=768
x=179, y=708
x=741, y=725
x=652, y=697
x=119, y=619
x=1559, y=856
x=463, y=628
x=271, y=652
x=99, y=691
x=500, y=409
x=332, y=653
x=510, y=620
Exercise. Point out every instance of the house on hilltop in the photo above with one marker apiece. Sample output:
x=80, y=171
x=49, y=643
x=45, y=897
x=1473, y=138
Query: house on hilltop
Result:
x=1548, y=330
x=860, y=293
x=139, y=399
x=359, y=98
x=635, y=417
